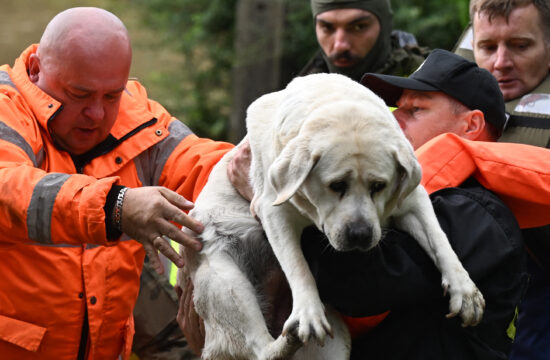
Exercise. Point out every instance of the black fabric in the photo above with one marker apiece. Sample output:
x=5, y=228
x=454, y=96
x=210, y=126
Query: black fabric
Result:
x=400, y=277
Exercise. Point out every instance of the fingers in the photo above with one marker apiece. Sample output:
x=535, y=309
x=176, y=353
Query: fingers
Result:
x=163, y=245
x=153, y=256
x=176, y=199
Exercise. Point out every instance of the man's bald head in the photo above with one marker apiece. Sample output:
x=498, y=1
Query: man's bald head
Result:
x=84, y=31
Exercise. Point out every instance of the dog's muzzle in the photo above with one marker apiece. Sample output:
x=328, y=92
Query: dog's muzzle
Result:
x=358, y=235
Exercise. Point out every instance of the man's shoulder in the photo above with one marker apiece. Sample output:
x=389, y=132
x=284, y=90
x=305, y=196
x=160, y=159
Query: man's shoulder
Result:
x=529, y=120
x=405, y=56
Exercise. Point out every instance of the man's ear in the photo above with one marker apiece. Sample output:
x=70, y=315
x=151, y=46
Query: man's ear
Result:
x=34, y=67
x=475, y=125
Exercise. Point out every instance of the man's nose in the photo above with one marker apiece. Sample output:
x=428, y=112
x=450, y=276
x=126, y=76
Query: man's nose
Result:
x=400, y=117
x=341, y=41
x=502, y=58
x=95, y=110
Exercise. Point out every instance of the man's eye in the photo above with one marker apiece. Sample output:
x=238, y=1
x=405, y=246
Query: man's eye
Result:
x=359, y=27
x=78, y=96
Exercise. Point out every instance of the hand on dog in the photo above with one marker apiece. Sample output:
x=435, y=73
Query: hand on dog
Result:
x=190, y=322
x=238, y=169
x=148, y=214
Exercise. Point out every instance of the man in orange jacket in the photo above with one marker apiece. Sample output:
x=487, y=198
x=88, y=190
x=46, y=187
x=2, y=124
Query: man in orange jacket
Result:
x=94, y=176
x=446, y=94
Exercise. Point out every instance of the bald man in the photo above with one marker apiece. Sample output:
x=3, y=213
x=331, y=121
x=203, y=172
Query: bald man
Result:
x=93, y=176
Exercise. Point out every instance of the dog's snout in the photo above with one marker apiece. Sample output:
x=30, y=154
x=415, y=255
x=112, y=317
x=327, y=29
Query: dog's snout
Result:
x=358, y=234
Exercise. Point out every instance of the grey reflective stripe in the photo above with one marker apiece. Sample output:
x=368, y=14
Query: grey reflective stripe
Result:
x=12, y=136
x=5, y=80
x=39, y=213
x=150, y=163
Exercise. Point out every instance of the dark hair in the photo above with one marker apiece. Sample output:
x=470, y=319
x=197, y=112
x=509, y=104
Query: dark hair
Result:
x=503, y=8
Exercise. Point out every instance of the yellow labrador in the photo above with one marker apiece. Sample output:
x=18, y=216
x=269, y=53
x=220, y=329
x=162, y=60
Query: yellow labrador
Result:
x=325, y=151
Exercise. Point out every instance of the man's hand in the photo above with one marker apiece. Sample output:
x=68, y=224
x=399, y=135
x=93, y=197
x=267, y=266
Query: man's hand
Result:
x=187, y=318
x=238, y=170
x=148, y=214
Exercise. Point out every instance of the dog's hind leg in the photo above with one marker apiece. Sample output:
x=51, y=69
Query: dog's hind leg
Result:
x=225, y=298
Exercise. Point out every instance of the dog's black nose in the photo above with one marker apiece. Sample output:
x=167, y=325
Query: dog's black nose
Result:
x=359, y=234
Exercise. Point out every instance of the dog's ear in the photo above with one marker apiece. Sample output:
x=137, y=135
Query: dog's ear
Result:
x=408, y=175
x=291, y=168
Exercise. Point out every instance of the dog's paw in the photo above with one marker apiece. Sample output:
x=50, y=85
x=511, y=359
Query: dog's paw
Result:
x=308, y=322
x=465, y=299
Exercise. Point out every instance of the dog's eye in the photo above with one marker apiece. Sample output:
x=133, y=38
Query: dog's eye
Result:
x=376, y=187
x=339, y=187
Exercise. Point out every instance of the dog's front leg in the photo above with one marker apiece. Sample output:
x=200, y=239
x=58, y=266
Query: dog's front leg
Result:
x=418, y=218
x=308, y=312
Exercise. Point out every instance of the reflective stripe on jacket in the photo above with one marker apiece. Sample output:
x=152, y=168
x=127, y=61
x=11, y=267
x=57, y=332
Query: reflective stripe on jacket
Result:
x=56, y=260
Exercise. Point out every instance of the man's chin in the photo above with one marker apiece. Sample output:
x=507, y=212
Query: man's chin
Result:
x=512, y=93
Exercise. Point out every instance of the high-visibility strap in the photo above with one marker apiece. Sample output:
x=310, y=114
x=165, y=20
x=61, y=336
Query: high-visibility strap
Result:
x=39, y=212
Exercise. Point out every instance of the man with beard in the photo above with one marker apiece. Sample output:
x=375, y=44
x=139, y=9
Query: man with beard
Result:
x=356, y=37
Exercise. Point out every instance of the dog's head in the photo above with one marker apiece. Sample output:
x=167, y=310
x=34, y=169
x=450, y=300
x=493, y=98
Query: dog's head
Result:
x=347, y=170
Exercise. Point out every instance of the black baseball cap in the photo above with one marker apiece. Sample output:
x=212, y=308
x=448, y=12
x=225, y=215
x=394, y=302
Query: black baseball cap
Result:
x=451, y=74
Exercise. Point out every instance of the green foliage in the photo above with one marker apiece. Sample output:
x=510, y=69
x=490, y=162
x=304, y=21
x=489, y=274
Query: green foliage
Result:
x=203, y=32
x=200, y=91
x=436, y=23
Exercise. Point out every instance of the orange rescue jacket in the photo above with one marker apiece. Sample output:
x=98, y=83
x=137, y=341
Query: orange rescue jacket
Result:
x=519, y=174
x=55, y=259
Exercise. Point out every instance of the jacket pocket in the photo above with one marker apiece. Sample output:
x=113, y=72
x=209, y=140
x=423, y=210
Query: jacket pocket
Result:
x=21, y=333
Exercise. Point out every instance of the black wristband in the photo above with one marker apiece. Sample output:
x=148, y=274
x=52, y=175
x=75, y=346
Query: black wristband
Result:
x=112, y=232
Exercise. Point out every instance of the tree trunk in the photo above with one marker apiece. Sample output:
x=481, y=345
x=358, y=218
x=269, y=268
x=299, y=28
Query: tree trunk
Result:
x=258, y=51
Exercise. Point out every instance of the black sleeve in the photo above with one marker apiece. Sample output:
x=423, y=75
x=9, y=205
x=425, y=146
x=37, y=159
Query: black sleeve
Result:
x=398, y=273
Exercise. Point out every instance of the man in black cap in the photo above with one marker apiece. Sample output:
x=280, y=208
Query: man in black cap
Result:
x=355, y=37
x=446, y=94
x=398, y=276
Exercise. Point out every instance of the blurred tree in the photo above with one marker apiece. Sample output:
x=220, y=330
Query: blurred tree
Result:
x=258, y=49
x=201, y=92
x=436, y=23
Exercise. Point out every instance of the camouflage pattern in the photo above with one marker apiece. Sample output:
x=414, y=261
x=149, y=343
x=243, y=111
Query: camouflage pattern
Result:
x=403, y=60
x=158, y=335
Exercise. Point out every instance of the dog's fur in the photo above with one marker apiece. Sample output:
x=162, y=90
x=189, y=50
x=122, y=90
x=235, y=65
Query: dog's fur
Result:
x=325, y=151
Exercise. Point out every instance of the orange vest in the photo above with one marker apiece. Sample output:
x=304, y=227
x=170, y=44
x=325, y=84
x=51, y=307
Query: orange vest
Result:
x=55, y=259
x=519, y=174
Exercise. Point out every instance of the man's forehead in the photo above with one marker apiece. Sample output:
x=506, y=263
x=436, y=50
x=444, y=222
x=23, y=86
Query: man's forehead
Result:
x=416, y=94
